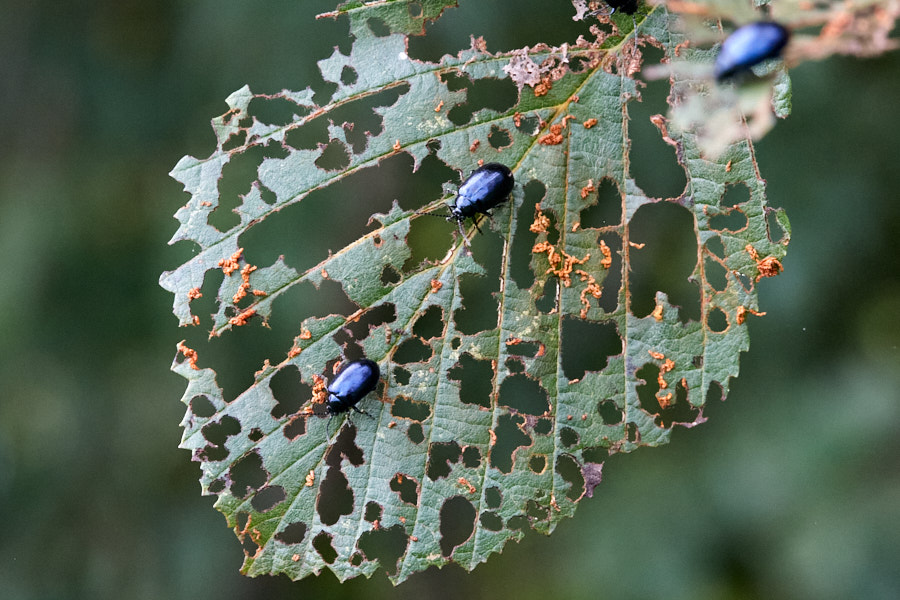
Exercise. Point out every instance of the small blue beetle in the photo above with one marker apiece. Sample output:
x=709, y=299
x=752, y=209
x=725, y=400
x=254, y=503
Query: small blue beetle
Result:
x=748, y=46
x=486, y=187
x=353, y=382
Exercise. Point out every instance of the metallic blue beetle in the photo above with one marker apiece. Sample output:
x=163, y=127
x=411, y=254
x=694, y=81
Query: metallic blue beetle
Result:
x=748, y=46
x=353, y=382
x=486, y=187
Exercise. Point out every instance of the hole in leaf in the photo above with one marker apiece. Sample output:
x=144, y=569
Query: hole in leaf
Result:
x=202, y=407
x=568, y=469
x=587, y=346
x=276, y=111
x=735, y=195
x=406, y=487
x=716, y=320
x=248, y=545
x=734, y=220
x=295, y=428
x=292, y=534
x=652, y=162
x=407, y=408
x=492, y=497
x=247, y=475
x=213, y=453
x=509, y=439
x=514, y=365
x=386, y=545
x=715, y=275
x=218, y=433
x=491, y=521
x=547, y=302
x=543, y=427
x=440, y=455
x=715, y=246
x=344, y=447
x=390, y=276
x=378, y=27
x=335, y=497
x=596, y=455
x=775, y=232
x=499, y=138
x=518, y=523
x=568, y=437
x=610, y=413
x=415, y=433
x=524, y=394
x=268, y=498
x=457, y=523
x=537, y=463
x=216, y=487
x=524, y=239
x=373, y=512
x=235, y=140
x=348, y=75
x=631, y=433
x=430, y=324
x=289, y=390
x=401, y=376
x=414, y=9
x=536, y=511
x=480, y=310
x=528, y=349
x=475, y=377
x=471, y=457
x=322, y=544
x=608, y=209
x=370, y=319
x=411, y=351
x=667, y=260
x=255, y=434
x=237, y=177
x=335, y=156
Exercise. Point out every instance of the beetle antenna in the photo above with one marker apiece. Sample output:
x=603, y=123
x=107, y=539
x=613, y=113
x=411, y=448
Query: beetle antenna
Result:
x=431, y=214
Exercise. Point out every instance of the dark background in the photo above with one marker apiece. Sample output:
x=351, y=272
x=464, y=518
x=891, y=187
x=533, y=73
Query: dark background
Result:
x=791, y=490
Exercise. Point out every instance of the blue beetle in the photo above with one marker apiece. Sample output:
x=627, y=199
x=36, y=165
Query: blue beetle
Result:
x=486, y=187
x=353, y=382
x=748, y=46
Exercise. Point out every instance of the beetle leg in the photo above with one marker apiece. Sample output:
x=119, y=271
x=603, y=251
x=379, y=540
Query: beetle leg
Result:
x=462, y=233
x=475, y=220
x=362, y=412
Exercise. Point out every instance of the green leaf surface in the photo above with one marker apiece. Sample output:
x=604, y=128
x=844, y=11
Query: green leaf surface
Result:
x=485, y=433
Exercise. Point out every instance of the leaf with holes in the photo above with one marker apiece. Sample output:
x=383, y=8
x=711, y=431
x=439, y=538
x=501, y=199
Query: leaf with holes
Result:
x=508, y=375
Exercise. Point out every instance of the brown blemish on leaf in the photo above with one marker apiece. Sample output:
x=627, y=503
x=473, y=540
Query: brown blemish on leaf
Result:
x=541, y=350
x=543, y=87
x=324, y=274
x=662, y=125
x=260, y=293
x=189, y=354
x=636, y=245
x=295, y=557
x=665, y=401
x=561, y=264
x=569, y=418
x=413, y=538
x=305, y=334
x=480, y=162
x=540, y=223
x=658, y=312
x=194, y=293
x=493, y=435
x=439, y=106
x=566, y=119
x=590, y=187
x=195, y=320
x=436, y=286
x=465, y=483
x=242, y=318
x=592, y=288
x=575, y=99
x=684, y=383
x=397, y=146
x=742, y=311
x=206, y=203
x=606, y=261
x=727, y=169
x=575, y=226
x=245, y=284
x=663, y=369
x=517, y=119
x=319, y=391
x=553, y=138
x=265, y=367
x=656, y=355
x=310, y=478
x=513, y=341
x=294, y=351
x=231, y=264
x=392, y=424
x=768, y=266
x=590, y=123
x=474, y=146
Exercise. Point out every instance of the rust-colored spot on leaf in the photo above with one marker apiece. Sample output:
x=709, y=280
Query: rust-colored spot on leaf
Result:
x=324, y=274
x=728, y=167
x=592, y=288
x=665, y=401
x=636, y=245
x=590, y=123
x=742, y=311
x=656, y=355
x=662, y=125
x=561, y=263
x=513, y=341
x=310, y=478
x=189, y=354
x=397, y=145
x=543, y=87
x=768, y=266
x=242, y=318
x=392, y=424
x=305, y=334
x=553, y=138
x=658, y=312
x=194, y=293
x=245, y=283
x=439, y=106
x=260, y=293
x=436, y=286
x=663, y=369
x=295, y=557
x=590, y=187
x=465, y=483
x=474, y=145
x=540, y=223
x=319, y=391
x=232, y=263
x=606, y=261
x=493, y=435
x=517, y=119
x=566, y=119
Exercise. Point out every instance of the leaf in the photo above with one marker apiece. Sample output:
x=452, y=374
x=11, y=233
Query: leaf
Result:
x=480, y=432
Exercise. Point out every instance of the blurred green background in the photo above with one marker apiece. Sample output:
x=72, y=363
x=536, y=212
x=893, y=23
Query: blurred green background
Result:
x=791, y=490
